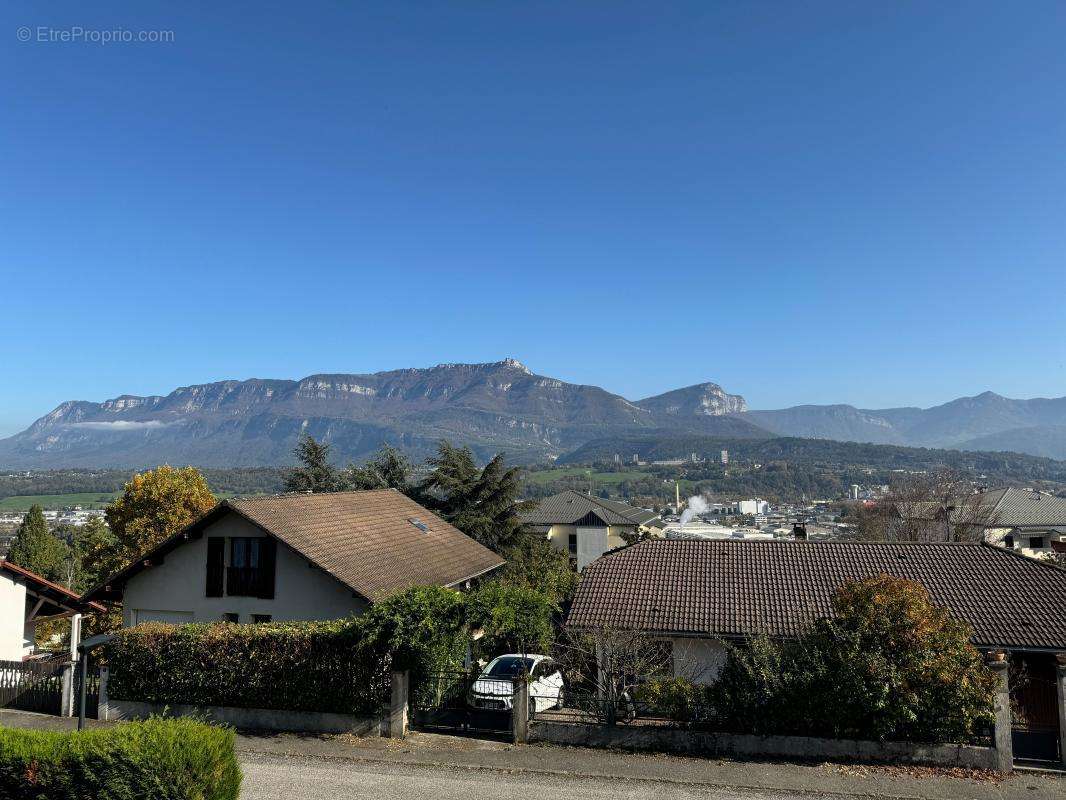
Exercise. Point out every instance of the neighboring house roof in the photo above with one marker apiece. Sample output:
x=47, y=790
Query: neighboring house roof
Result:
x=59, y=599
x=1022, y=508
x=374, y=542
x=1004, y=508
x=730, y=588
x=570, y=507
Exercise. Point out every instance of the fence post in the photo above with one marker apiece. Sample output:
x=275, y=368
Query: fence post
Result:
x=102, y=712
x=1060, y=684
x=520, y=710
x=1004, y=746
x=401, y=682
x=66, y=700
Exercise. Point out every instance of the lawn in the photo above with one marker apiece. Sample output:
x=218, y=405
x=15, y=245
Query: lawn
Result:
x=23, y=502
x=611, y=478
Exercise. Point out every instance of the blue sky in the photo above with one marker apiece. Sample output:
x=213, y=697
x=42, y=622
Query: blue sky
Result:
x=818, y=202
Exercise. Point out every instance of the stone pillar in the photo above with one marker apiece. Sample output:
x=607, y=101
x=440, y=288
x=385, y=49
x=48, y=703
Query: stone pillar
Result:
x=66, y=702
x=1004, y=747
x=398, y=707
x=1060, y=684
x=520, y=710
x=103, y=712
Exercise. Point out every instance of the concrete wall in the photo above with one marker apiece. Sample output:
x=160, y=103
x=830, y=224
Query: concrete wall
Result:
x=260, y=719
x=176, y=590
x=12, y=619
x=699, y=660
x=675, y=740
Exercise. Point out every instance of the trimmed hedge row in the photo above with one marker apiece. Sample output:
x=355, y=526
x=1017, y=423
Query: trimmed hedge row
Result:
x=164, y=759
x=296, y=666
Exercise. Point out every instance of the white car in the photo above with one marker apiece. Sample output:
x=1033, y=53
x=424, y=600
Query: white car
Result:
x=494, y=688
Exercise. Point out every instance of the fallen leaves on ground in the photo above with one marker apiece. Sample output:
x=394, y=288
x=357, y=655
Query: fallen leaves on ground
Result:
x=916, y=771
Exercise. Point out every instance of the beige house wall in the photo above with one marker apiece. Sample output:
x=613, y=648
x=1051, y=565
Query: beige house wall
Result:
x=176, y=590
x=559, y=536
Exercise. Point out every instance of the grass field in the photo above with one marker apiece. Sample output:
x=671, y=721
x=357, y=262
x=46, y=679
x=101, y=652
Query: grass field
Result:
x=23, y=502
x=612, y=478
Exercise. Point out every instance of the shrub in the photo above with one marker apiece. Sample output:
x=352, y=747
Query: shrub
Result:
x=515, y=619
x=298, y=666
x=172, y=759
x=677, y=698
x=424, y=627
x=889, y=664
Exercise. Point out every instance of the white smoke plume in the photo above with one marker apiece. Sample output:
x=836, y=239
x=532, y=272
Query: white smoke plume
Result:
x=696, y=505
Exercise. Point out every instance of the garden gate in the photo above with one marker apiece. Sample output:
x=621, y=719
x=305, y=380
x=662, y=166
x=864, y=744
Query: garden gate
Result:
x=460, y=702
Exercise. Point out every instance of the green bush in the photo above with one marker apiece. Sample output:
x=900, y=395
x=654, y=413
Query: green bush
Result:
x=297, y=666
x=515, y=619
x=889, y=664
x=162, y=759
x=676, y=698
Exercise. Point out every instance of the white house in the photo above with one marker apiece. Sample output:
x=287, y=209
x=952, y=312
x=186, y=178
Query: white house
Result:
x=587, y=527
x=1029, y=522
x=295, y=557
x=26, y=599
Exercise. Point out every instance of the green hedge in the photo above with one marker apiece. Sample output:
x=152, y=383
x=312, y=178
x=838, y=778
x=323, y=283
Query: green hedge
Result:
x=163, y=759
x=296, y=666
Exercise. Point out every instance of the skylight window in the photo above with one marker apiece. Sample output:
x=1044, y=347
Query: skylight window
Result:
x=419, y=524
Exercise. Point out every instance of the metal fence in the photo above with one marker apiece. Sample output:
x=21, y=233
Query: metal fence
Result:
x=462, y=702
x=32, y=685
x=590, y=708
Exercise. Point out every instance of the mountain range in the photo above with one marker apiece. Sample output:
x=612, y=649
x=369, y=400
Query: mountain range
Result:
x=499, y=406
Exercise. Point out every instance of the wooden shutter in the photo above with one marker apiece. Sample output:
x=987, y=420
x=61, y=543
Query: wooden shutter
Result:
x=216, y=565
x=268, y=560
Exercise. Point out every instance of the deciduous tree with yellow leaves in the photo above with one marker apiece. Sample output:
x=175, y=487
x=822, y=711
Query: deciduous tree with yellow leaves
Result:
x=154, y=505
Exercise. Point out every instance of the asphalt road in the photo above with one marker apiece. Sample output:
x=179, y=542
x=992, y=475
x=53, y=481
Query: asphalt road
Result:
x=268, y=777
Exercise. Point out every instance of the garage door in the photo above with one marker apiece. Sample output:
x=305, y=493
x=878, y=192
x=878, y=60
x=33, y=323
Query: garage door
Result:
x=154, y=615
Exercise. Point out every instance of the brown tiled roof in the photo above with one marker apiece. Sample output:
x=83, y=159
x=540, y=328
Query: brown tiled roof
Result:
x=374, y=542
x=728, y=588
x=370, y=540
x=60, y=596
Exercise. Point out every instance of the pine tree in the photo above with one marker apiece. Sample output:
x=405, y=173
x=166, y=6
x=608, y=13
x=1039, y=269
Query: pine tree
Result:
x=482, y=503
x=389, y=469
x=315, y=474
x=36, y=549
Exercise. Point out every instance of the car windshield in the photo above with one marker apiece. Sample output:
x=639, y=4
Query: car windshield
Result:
x=509, y=667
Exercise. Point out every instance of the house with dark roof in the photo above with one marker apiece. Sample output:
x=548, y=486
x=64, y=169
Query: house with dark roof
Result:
x=586, y=527
x=700, y=596
x=27, y=599
x=1030, y=522
x=703, y=594
x=295, y=557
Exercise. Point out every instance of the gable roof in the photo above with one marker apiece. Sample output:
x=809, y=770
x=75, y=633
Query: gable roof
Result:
x=569, y=507
x=59, y=599
x=1003, y=508
x=374, y=542
x=731, y=588
x=1020, y=508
